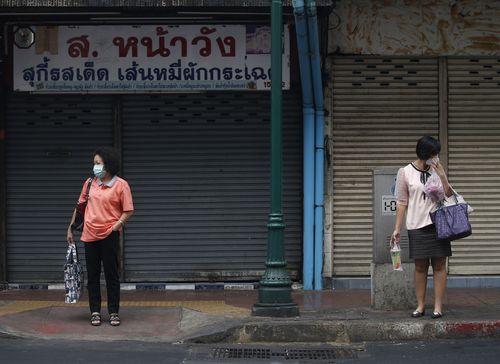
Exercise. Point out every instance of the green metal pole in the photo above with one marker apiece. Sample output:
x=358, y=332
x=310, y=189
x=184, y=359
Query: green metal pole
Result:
x=275, y=289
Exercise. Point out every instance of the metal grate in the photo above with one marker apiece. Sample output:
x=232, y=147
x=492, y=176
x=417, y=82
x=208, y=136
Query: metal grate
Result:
x=213, y=170
x=48, y=130
x=377, y=102
x=474, y=156
x=283, y=354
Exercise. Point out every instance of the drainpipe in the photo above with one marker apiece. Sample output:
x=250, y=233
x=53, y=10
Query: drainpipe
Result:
x=308, y=143
x=312, y=21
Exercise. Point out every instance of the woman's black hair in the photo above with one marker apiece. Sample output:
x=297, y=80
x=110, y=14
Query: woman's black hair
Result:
x=110, y=159
x=428, y=147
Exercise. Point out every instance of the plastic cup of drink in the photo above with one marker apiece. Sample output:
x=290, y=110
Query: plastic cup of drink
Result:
x=396, y=257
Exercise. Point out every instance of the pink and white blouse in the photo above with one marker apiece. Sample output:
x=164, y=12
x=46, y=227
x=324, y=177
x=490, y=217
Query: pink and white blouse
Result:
x=410, y=192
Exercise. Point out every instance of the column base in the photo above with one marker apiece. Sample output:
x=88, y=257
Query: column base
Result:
x=275, y=310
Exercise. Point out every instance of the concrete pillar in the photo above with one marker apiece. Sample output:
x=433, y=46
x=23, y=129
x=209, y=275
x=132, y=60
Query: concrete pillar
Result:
x=392, y=290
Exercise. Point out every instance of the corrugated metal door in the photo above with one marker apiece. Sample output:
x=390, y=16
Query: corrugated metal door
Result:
x=381, y=107
x=198, y=165
x=474, y=159
x=50, y=140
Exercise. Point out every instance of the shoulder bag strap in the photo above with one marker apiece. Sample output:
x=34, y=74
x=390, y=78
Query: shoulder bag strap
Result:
x=89, y=184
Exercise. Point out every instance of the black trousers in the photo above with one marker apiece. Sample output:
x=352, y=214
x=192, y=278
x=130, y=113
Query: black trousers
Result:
x=107, y=252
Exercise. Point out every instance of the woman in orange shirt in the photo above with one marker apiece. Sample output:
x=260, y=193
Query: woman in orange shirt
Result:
x=109, y=207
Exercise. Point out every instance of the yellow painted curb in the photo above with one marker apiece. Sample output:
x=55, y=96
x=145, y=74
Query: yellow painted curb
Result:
x=210, y=307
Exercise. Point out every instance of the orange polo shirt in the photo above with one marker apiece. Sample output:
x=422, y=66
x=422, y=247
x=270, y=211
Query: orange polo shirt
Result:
x=106, y=204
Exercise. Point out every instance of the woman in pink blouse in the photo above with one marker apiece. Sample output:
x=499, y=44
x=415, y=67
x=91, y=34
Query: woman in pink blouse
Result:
x=425, y=249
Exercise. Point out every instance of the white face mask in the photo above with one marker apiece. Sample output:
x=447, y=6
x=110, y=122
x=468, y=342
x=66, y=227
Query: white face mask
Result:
x=431, y=161
x=99, y=171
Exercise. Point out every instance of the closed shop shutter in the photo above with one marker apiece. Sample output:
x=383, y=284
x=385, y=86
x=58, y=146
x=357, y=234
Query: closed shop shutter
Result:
x=381, y=107
x=50, y=140
x=198, y=165
x=474, y=159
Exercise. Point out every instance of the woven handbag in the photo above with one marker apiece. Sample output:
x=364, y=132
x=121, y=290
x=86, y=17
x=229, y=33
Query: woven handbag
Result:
x=452, y=221
x=73, y=276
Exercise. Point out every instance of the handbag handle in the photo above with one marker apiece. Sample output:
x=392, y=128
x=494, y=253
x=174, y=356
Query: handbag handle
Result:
x=71, y=254
x=441, y=203
x=455, y=195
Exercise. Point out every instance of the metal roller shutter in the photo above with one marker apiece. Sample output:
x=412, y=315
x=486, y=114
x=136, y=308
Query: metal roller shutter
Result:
x=49, y=144
x=198, y=165
x=381, y=107
x=474, y=159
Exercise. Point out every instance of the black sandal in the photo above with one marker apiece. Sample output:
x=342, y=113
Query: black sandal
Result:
x=417, y=314
x=95, y=319
x=436, y=315
x=114, y=319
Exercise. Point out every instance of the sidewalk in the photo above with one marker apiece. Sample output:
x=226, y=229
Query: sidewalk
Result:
x=210, y=316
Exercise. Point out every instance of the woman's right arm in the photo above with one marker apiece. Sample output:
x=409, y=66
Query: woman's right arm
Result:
x=400, y=214
x=402, y=197
x=69, y=234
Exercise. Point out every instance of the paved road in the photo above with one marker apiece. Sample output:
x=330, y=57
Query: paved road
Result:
x=14, y=351
x=482, y=351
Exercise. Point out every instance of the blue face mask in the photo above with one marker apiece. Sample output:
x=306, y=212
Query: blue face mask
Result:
x=99, y=171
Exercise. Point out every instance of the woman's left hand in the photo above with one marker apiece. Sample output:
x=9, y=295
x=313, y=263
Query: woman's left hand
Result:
x=438, y=167
x=116, y=226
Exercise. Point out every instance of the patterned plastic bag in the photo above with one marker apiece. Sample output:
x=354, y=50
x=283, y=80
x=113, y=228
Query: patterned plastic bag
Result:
x=434, y=188
x=73, y=276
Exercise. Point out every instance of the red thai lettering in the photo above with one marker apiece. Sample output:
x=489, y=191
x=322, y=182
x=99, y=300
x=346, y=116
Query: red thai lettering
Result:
x=125, y=47
x=206, y=50
x=227, y=41
x=207, y=30
x=161, y=31
x=78, y=47
x=183, y=41
x=162, y=50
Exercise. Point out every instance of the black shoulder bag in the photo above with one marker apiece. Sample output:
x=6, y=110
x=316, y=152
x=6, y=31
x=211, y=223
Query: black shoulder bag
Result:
x=80, y=210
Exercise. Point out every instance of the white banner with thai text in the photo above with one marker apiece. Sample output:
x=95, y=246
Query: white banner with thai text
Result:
x=145, y=58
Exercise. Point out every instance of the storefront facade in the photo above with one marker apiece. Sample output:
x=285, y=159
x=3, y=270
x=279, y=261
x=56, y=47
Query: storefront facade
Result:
x=398, y=71
x=187, y=105
x=197, y=160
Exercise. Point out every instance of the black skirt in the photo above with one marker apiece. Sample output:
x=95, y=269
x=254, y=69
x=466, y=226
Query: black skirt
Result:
x=424, y=244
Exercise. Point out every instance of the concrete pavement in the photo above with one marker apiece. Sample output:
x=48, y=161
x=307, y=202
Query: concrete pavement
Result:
x=210, y=316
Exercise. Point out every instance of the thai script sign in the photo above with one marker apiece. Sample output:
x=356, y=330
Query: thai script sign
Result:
x=145, y=58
